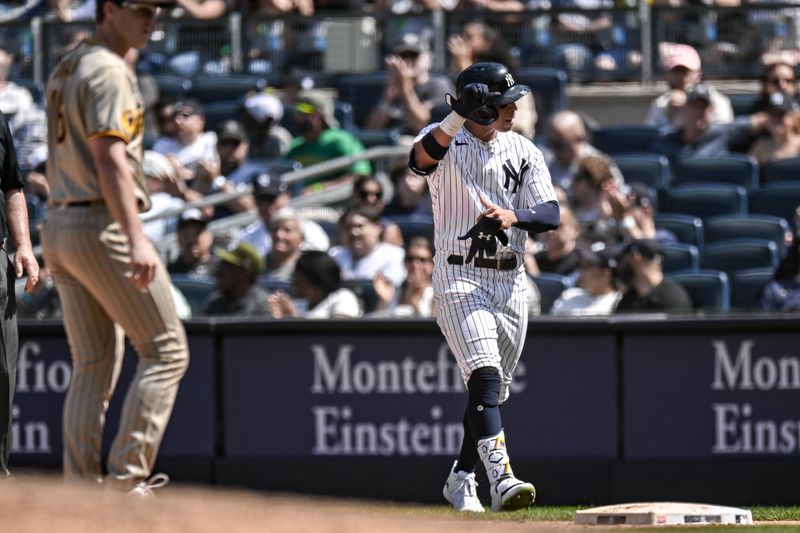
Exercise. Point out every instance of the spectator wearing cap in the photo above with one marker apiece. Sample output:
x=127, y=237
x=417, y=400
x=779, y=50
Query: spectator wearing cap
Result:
x=568, y=145
x=646, y=289
x=783, y=130
x=410, y=91
x=320, y=139
x=233, y=150
x=682, y=69
x=698, y=135
x=271, y=194
x=167, y=192
x=597, y=292
x=362, y=255
x=194, y=246
x=317, y=279
x=261, y=115
x=237, y=293
x=192, y=150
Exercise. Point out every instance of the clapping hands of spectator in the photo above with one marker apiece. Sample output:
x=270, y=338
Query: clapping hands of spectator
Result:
x=614, y=202
x=384, y=288
x=460, y=49
x=281, y=305
x=399, y=78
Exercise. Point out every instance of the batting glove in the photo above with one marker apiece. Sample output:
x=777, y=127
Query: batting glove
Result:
x=473, y=97
x=484, y=235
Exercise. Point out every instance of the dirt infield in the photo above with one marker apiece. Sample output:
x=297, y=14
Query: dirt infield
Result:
x=33, y=503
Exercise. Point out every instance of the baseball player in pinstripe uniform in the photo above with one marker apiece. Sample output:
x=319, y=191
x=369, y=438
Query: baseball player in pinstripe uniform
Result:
x=489, y=187
x=109, y=276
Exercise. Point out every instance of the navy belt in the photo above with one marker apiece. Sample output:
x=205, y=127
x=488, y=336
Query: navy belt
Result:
x=509, y=263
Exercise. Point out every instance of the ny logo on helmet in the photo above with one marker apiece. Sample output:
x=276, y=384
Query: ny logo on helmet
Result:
x=509, y=79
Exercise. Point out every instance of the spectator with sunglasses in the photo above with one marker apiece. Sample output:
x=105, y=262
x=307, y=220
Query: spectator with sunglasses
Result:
x=777, y=78
x=410, y=92
x=368, y=193
x=414, y=298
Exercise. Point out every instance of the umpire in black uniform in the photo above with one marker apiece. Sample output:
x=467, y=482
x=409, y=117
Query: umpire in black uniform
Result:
x=13, y=227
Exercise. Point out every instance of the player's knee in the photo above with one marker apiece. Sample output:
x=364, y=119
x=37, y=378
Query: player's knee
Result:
x=484, y=387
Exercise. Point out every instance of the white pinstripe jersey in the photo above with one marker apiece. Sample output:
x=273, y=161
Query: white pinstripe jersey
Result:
x=508, y=170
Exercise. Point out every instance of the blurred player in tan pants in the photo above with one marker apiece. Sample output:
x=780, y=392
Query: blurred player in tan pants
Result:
x=109, y=277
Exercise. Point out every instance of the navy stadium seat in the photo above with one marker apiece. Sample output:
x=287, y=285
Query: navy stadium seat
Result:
x=781, y=170
x=679, y=256
x=740, y=254
x=708, y=289
x=747, y=285
x=650, y=169
x=362, y=91
x=705, y=200
x=687, y=228
x=734, y=169
x=364, y=289
x=195, y=290
x=742, y=103
x=550, y=288
x=414, y=226
x=748, y=226
x=217, y=112
x=271, y=284
x=231, y=87
x=170, y=86
x=371, y=138
x=624, y=138
x=780, y=199
x=549, y=87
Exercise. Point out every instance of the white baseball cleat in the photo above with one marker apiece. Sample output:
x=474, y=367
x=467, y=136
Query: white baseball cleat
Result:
x=460, y=491
x=144, y=489
x=510, y=494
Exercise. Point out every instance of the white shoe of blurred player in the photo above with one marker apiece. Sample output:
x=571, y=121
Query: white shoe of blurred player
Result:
x=144, y=489
x=508, y=493
x=460, y=491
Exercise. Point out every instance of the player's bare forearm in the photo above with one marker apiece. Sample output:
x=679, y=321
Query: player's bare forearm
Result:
x=18, y=232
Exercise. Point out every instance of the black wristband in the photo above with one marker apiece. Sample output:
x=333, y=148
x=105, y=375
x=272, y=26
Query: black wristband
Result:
x=432, y=147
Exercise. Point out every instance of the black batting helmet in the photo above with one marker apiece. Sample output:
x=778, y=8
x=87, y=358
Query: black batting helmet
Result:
x=498, y=79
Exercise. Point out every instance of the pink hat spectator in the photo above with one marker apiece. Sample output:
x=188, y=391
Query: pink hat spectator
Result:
x=682, y=55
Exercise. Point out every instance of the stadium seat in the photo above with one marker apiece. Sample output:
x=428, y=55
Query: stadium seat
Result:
x=221, y=89
x=649, y=169
x=217, y=112
x=414, y=226
x=781, y=170
x=746, y=287
x=748, y=226
x=706, y=200
x=363, y=91
x=708, y=289
x=549, y=87
x=271, y=284
x=550, y=288
x=624, y=138
x=742, y=103
x=330, y=229
x=170, y=86
x=740, y=254
x=680, y=256
x=687, y=228
x=780, y=199
x=364, y=289
x=195, y=290
x=734, y=169
x=371, y=138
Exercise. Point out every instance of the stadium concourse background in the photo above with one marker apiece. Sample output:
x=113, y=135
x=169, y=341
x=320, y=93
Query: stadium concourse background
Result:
x=603, y=410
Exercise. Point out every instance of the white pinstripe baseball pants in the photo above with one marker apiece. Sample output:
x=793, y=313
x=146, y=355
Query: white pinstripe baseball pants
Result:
x=88, y=256
x=483, y=314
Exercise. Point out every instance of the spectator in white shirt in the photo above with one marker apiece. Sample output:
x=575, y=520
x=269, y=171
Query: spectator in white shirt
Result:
x=597, y=292
x=13, y=98
x=681, y=70
x=316, y=280
x=193, y=150
x=362, y=255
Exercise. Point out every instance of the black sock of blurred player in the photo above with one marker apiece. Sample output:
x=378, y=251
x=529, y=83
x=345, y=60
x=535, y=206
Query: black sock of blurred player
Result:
x=482, y=417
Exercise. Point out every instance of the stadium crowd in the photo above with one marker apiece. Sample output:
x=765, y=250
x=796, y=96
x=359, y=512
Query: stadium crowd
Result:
x=695, y=213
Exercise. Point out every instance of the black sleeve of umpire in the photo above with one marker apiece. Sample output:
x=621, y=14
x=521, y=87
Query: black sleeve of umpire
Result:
x=412, y=164
x=539, y=218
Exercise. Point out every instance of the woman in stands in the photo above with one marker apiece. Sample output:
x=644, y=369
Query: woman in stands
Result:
x=368, y=191
x=777, y=77
x=783, y=128
x=317, y=281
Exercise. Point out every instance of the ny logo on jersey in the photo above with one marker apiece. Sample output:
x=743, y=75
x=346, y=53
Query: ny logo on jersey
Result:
x=509, y=79
x=515, y=175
